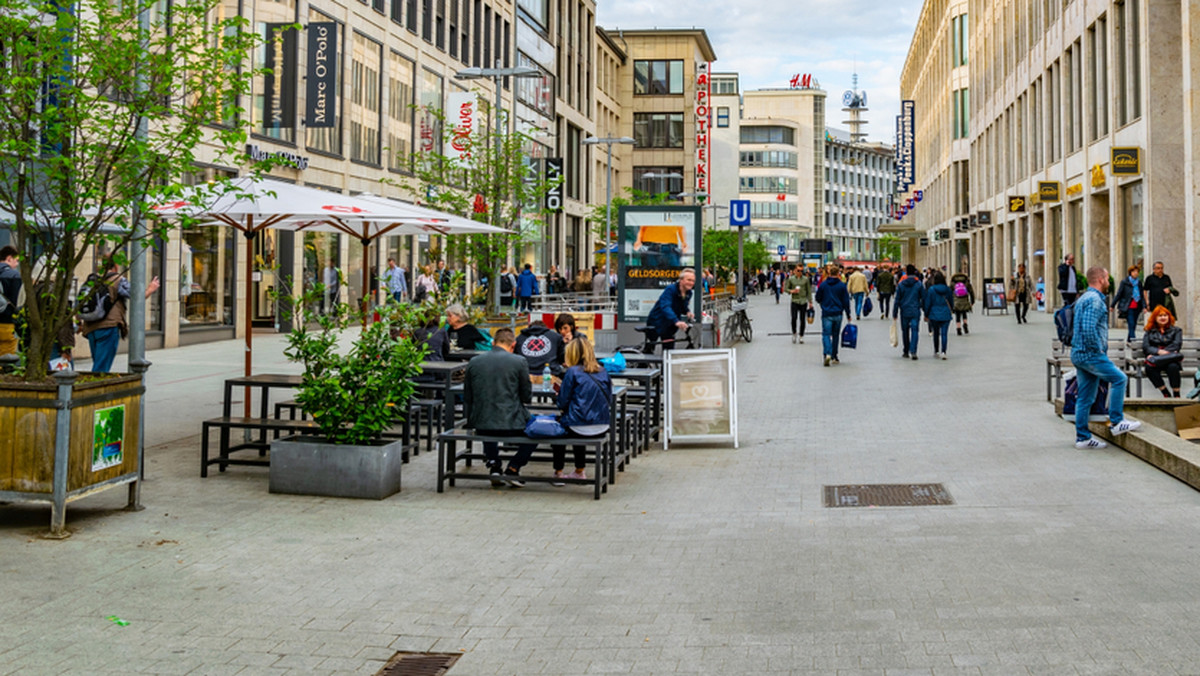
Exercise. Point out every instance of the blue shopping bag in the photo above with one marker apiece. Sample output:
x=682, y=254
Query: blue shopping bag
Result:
x=850, y=336
x=867, y=307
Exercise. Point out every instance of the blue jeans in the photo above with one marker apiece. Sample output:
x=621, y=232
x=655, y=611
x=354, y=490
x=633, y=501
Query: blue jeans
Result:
x=910, y=330
x=1089, y=371
x=941, y=330
x=1131, y=317
x=104, y=343
x=858, y=301
x=831, y=334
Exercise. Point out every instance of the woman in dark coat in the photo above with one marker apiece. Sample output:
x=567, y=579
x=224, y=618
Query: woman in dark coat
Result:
x=939, y=310
x=1128, y=300
x=1162, y=343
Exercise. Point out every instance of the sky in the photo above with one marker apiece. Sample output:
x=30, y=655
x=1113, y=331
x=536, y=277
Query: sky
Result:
x=768, y=41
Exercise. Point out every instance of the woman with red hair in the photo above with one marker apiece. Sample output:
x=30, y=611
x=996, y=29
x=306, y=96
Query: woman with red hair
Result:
x=1162, y=343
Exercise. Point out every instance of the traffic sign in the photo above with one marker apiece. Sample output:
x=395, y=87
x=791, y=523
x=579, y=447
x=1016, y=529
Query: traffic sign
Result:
x=739, y=213
x=782, y=249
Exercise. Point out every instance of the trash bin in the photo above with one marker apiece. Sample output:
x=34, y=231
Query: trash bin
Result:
x=708, y=331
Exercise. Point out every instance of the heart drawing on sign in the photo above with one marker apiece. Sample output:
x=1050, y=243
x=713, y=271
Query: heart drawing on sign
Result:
x=700, y=391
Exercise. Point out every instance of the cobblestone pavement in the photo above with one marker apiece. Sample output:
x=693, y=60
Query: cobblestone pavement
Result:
x=698, y=561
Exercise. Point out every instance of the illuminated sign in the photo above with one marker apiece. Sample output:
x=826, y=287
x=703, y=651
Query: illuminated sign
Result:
x=905, y=145
x=1016, y=204
x=1048, y=191
x=462, y=111
x=703, y=129
x=1126, y=161
x=804, y=81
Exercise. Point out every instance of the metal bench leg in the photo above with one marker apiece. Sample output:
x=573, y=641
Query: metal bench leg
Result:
x=203, y=450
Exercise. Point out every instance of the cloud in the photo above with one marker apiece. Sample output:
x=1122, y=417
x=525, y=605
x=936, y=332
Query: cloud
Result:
x=769, y=41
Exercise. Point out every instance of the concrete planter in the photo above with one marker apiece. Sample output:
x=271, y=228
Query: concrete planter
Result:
x=304, y=465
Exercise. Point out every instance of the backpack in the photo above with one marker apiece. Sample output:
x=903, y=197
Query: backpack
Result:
x=1064, y=323
x=506, y=284
x=96, y=299
x=960, y=290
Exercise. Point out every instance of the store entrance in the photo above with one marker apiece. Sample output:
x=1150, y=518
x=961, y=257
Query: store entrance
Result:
x=265, y=280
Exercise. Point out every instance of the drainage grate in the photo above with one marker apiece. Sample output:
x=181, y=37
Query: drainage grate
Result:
x=419, y=664
x=887, y=495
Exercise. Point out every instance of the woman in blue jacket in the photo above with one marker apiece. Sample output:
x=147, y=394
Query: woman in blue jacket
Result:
x=584, y=401
x=939, y=310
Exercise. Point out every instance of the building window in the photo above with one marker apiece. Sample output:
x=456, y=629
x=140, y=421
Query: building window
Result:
x=273, y=112
x=722, y=116
x=658, y=130
x=782, y=211
x=537, y=93
x=400, y=111
x=782, y=185
x=322, y=265
x=724, y=86
x=1098, y=77
x=431, y=97
x=658, y=77
x=656, y=180
x=768, y=158
x=784, y=135
x=366, y=57
x=329, y=139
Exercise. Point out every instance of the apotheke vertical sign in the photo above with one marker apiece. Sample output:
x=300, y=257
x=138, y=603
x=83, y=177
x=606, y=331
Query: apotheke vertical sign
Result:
x=321, y=100
x=703, y=126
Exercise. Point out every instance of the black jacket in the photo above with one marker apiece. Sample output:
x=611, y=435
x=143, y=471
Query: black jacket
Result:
x=1155, y=340
x=10, y=286
x=495, y=391
x=1124, y=296
x=540, y=345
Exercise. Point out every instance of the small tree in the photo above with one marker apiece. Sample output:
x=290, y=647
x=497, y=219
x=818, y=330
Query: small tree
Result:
x=95, y=111
x=888, y=248
x=493, y=181
x=720, y=253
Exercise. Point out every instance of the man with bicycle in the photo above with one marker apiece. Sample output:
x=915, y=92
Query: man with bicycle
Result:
x=669, y=312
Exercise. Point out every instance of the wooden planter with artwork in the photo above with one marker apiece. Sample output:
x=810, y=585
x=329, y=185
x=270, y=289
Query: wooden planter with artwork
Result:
x=63, y=440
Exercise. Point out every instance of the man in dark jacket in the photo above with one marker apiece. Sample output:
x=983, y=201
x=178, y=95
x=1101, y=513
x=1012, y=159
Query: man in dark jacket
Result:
x=10, y=287
x=910, y=300
x=834, y=300
x=885, y=284
x=666, y=317
x=1068, y=280
x=495, y=391
x=540, y=346
x=527, y=288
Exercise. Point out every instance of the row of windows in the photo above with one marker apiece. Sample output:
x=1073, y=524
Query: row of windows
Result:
x=782, y=211
x=867, y=160
x=848, y=222
x=768, y=158
x=783, y=135
x=770, y=184
x=848, y=199
x=857, y=179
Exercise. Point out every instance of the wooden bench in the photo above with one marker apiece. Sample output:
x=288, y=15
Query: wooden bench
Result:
x=449, y=456
x=1059, y=362
x=1190, y=348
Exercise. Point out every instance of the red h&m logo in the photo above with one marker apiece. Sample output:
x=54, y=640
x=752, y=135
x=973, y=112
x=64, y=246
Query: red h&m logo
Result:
x=781, y=197
x=804, y=81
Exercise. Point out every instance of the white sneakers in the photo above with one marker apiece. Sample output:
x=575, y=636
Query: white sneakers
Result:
x=1116, y=430
x=1090, y=444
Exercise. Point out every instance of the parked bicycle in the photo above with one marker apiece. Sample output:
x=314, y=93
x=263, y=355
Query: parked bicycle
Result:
x=738, y=325
x=687, y=340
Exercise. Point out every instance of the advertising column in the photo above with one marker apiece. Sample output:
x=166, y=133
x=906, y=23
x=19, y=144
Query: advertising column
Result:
x=656, y=244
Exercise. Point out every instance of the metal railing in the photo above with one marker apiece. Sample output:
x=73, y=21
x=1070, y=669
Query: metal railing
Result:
x=574, y=302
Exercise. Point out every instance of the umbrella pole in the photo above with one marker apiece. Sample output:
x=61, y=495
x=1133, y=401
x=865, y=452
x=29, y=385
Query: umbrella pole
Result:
x=249, y=313
x=366, y=282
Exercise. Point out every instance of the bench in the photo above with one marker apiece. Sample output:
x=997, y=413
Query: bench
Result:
x=1190, y=349
x=277, y=426
x=429, y=409
x=1060, y=360
x=449, y=456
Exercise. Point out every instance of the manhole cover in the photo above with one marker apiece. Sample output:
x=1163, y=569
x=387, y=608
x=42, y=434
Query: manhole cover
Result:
x=887, y=495
x=418, y=664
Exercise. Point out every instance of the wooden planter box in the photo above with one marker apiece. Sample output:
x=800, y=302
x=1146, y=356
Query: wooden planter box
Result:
x=63, y=440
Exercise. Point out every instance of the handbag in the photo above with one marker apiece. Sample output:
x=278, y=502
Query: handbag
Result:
x=544, y=426
x=850, y=336
x=1071, y=393
x=894, y=334
x=614, y=364
x=867, y=307
x=811, y=315
x=1161, y=360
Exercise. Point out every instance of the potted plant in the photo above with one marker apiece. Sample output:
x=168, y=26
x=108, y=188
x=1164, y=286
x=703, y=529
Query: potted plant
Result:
x=99, y=103
x=355, y=395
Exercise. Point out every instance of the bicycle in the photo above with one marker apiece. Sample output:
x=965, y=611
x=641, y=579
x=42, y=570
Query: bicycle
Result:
x=689, y=341
x=738, y=325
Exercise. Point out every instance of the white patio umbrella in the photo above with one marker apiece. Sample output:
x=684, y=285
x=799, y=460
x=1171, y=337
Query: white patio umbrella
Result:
x=251, y=205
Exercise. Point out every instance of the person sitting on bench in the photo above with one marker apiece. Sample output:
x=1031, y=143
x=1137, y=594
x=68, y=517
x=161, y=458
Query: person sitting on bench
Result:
x=495, y=392
x=584, y=401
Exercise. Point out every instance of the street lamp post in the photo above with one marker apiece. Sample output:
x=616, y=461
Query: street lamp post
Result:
x=497, y=74
x=608, y=141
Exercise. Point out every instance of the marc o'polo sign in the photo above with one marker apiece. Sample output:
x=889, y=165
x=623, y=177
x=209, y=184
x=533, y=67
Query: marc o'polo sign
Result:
x=1049, y=191
x=320, y=105
x=1016, y=204
x=1126, y=161
x=279, y=82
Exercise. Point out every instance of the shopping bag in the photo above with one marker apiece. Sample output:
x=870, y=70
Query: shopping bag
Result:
x=614, y=364
x=894, y=334
x=867, y=307
x=544, y=426
x=1099, y=410
x=850, y=336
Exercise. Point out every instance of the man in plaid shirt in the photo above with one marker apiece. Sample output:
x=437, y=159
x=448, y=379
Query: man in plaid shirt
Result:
x=1089, y=354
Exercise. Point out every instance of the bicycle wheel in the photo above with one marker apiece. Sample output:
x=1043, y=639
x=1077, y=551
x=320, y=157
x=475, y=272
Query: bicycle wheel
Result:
x=747, y=329
x=731, y=329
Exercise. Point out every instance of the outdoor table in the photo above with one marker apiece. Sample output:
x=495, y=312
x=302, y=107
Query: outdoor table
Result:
x=649, y=381
x=636, y=359
x=464, y=355
x=264, y=382
x=446, y=370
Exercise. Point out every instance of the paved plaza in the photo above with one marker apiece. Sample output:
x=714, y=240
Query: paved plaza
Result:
x=702, y=560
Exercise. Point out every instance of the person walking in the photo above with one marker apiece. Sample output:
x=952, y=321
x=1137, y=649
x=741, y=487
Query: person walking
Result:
x=104, y=335
x=1089, y=354
x=885, y=285
x=777, y=282
x=939, y=304
x=10, y=288
x=1157, y=289
x=910, y=301
x=834, y=300
x=396, y=284
x=858, y=286
x=1161, y=343
x=1022, y=288
x=964, y=300
x=799, y=292
x=1128, y=301
x=527, y=288
x=424, y=286
x=1068, y=280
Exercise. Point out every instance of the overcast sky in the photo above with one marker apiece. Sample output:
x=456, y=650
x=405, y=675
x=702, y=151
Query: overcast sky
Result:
x=768, y=41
